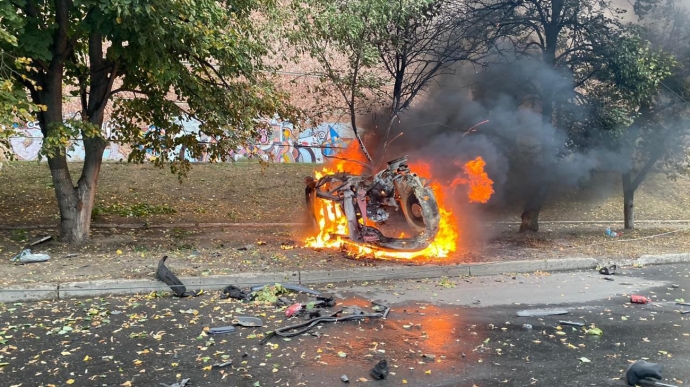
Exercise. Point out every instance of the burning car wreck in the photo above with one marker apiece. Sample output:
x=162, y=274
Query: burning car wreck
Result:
x=361, y=203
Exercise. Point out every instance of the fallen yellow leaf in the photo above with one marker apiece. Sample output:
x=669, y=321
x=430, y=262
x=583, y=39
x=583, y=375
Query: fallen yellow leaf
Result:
x=86, y=358
x=207, y=368
x=70, y=381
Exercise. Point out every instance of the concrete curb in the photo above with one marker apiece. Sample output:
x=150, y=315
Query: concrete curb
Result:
x=103, y=287
x=48, y=291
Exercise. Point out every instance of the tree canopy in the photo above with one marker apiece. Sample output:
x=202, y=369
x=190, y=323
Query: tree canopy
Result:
x=158, y=63
x=14, y=103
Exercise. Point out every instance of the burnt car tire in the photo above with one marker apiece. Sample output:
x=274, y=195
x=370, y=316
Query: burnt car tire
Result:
x=412, y=210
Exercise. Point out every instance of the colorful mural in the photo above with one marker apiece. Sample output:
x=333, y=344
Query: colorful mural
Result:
x=280, y=143
x=29, y=140
x=285, y=145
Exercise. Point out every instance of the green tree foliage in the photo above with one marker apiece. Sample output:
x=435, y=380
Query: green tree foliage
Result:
x=14, y=104
x=157, y=62
x=338, y=35
x=626, y=85
x=379, y=55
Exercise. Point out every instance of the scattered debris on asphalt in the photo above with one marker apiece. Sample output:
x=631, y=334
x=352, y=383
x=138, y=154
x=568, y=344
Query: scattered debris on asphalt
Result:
x=541, y=312
x=232, y=291
x=182, y=383
x=221, y=365
x=293, y=309
x=164, y=274
x=380, y=370
x=594, y=332
x=641, y=370
x=345, y=379
x=294, y=288
x=636, y=299
x=269, y=294
x=221, y=330
x=611, y=270
x=327, y=299
x=26, y=256
x=527, y=327
x=350, y=313
x=682, y=303
x=247, y=321
x=573, y=323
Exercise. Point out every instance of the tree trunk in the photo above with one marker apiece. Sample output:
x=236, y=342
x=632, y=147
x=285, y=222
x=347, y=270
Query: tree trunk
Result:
x=76, y=203
x=628, y=202
x=533, y=205
x=530, y=214
x=628, y=210
x=182, y=155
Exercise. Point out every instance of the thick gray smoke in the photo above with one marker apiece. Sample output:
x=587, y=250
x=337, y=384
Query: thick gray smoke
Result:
x=491, y=114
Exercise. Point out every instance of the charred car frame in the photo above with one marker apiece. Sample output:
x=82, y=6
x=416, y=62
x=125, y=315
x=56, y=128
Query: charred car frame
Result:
x=367, y=199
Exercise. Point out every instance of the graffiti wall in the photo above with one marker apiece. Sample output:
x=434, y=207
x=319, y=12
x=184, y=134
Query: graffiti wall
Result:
x=280, y=143
x=29, y=140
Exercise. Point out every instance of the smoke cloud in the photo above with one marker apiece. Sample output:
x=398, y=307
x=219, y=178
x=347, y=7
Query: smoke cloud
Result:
x=492, y=114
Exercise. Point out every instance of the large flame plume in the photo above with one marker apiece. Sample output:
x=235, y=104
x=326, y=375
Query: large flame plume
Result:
x=332, y=220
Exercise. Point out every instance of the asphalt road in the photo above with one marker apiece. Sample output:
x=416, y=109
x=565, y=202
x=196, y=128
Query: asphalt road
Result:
x=449, y=332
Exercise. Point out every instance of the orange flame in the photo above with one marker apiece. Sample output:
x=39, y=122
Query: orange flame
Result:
x=351, y=159
x=480, y=185
x=332, y=220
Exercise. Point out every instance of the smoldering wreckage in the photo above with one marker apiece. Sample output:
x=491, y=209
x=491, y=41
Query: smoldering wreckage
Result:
x=320, y=308
x=366, y=199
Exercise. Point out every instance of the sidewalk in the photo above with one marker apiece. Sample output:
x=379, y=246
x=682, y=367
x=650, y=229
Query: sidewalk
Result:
x=57, y=290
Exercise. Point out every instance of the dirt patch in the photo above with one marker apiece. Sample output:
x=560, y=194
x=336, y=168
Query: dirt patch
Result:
x=142, y=193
